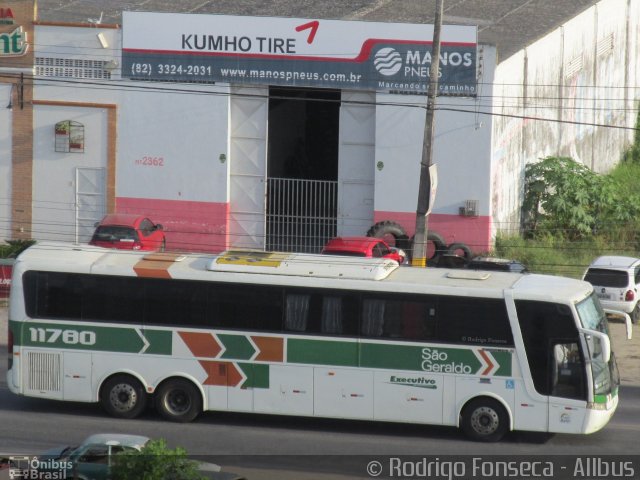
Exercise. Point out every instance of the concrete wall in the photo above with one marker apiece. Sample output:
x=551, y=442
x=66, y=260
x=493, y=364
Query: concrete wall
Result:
x=561, y=96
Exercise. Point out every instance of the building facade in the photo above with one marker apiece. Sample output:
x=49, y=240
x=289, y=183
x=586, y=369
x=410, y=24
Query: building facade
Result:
x=260, y=164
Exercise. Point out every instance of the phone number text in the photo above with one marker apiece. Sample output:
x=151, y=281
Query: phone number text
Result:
x=149, y=69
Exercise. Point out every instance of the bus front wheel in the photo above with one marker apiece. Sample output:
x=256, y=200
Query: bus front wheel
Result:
x=178, y=400
x=485, y=419
x=123, y=396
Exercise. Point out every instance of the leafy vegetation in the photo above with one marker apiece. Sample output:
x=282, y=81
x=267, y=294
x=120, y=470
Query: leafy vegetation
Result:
x=13, y=248
x=572, y=215
x=155, y=462
x=567, y=200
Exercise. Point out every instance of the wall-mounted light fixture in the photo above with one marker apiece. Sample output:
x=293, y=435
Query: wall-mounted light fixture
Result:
x=10, y=104
x=111, y=65
x=103, y=40
x=20, y=87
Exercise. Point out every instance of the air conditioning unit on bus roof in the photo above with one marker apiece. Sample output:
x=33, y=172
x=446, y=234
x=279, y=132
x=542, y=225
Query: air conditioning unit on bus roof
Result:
x=302, y=264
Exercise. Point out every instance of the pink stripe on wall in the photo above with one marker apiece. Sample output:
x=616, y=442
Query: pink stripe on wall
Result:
x=188, y=226
x=474, y=231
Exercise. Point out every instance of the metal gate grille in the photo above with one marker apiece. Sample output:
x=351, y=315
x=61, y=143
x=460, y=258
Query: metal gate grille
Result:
x=301, y=214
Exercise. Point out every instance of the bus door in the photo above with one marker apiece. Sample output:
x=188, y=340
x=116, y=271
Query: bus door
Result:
x=556, y=367
x=567, y=386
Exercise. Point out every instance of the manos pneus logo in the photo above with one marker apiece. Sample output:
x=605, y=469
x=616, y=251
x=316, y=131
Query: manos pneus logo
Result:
x=434, y=360
x=387, y=61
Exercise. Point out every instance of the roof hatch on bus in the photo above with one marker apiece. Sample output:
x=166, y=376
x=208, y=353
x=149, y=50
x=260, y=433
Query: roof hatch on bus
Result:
x=464, y=275
x=298, y=264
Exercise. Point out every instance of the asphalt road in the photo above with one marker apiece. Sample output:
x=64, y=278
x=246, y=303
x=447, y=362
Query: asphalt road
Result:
x=266, y=447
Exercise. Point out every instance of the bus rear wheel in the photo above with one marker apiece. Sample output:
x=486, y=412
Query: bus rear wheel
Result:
x=123, y=396
x=178, y=400
x=485, y=419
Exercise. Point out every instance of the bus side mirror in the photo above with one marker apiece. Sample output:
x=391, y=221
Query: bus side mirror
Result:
x=627, y=320
x=599, y=344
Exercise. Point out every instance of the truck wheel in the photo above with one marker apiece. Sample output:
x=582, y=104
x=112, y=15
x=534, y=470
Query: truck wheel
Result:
x=485, y=419
x=123, y=396
x=178, y=400
x=456, y=248
x=390, y=232
x=439, y=245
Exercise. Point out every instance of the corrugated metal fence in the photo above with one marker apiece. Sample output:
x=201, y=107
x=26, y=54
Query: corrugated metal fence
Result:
x=301, y=214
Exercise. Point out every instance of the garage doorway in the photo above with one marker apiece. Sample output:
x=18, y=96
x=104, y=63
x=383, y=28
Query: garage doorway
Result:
x=302, y=168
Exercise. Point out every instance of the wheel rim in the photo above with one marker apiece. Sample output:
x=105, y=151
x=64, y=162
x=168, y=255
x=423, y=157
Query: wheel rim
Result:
x=177, y=401
x=485, y=420
x=123, y=397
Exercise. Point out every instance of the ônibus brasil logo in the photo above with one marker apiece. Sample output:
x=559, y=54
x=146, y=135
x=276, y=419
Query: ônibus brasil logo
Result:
x=387, y=61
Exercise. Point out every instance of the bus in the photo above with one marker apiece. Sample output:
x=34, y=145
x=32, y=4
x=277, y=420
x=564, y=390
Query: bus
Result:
x=309, y=335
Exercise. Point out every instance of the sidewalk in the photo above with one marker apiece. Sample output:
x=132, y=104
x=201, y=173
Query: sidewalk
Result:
x=627, y=351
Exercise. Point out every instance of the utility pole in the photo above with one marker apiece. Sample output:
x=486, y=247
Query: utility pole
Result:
x=419, y=258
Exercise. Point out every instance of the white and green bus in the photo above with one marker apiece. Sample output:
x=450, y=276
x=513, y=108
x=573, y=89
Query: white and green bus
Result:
x=310, y=335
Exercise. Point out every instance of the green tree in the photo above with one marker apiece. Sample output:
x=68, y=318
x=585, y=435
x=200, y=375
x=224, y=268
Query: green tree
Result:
x=155, y=462
x=562, y=197
x=567, y=200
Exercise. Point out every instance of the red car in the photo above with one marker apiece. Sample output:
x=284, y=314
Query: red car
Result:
x=128, y=232
x=363, y=247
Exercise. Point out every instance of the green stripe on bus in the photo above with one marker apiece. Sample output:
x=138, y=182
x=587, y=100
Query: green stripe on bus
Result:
x=504, y=361
x=91, y=337
x=236, y=346
x=159, y=341
x=257, y=375
x=599, y=399
x=396, y=357
x=322, y=352
x=419, y=358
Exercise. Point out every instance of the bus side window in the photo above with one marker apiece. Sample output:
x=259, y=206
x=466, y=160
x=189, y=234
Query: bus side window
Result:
x=297, y=312
x=473, y=321
x=339, y=315
x=410, y=318
x=373, y=313
x=418, y=321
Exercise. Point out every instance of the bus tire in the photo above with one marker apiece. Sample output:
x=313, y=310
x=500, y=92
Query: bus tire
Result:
x=123, y=396
x=386, y=229
x=485, y=419
x=178, y=400
x=455, y=247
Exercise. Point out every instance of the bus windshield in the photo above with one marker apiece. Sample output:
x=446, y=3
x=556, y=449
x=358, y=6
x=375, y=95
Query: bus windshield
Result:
x=592, y=315
x=605, y=376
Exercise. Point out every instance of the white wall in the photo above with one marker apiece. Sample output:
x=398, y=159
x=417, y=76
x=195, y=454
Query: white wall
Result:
x=54, y=173
x=462, y=148
x=189, y=131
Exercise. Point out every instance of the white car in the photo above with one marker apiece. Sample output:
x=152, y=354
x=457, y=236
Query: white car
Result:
x=616, y=280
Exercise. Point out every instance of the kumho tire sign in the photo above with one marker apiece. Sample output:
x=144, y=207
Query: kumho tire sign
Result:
x=387, y=57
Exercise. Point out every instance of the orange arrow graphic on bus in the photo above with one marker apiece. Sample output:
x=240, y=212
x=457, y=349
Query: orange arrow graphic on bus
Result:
x=487, y=359
x=201, y=344
x=270, y=349
x=221, y=373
